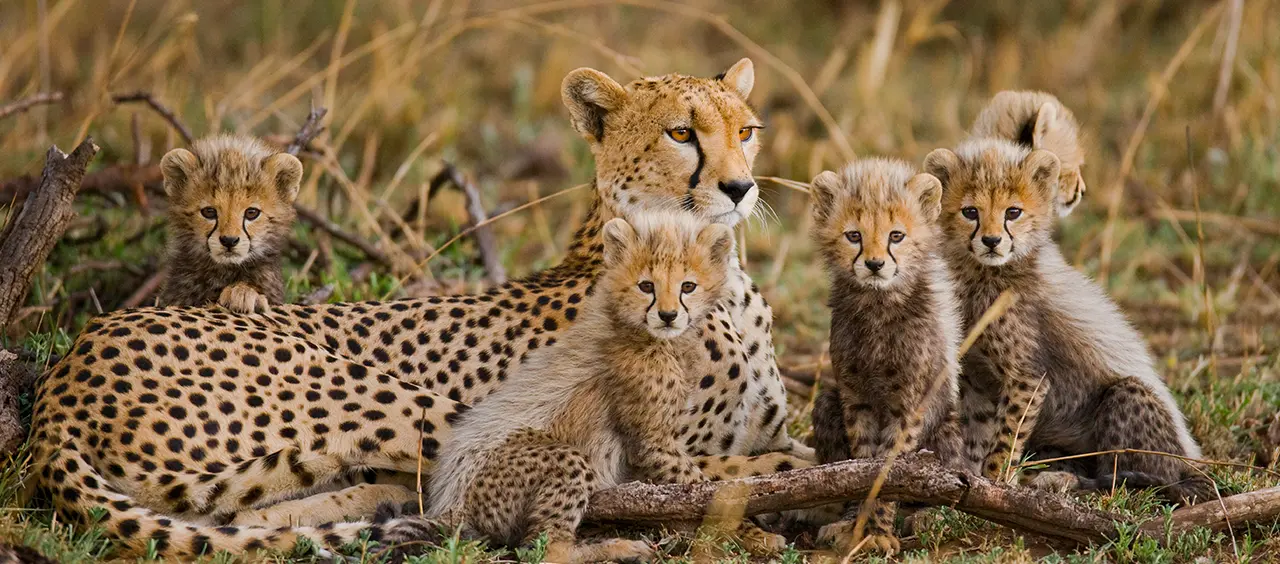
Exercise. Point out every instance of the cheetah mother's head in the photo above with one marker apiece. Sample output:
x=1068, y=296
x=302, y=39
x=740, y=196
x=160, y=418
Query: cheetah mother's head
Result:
x=670, y=142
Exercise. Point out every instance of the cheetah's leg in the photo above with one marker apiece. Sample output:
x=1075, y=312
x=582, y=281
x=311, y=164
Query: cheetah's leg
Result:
x=356, y=503
x=731, y=467
x=1131, y=416
x=868, y=438
x=977, y=423
x=1020, y=405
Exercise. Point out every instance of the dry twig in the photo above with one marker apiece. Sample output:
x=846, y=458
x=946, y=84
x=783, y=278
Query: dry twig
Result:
x=475, y=210
x=164, y=111
x=29, y=102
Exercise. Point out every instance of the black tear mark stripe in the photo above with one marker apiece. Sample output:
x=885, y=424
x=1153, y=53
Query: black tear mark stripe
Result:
x=977, y=224
x=888, y=248
x=1010, y=234
x=650, y=306
x=697, y=146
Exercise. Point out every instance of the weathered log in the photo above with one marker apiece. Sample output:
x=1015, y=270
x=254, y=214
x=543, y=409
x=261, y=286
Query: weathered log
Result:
x=33, y=229
x=916, y=477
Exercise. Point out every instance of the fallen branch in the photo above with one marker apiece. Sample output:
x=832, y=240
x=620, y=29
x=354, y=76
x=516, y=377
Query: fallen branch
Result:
x=915, y=477
x=28, y=103
x=485, y=239
x=164, y=111
x=1261, y=506
x=130, y=179
x=148, y=288
x=32, y=231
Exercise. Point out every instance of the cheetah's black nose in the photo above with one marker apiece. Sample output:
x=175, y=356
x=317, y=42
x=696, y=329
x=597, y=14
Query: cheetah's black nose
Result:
x=737, y=189
x=668, y=316
x=229, y=242
x=874, y=265
x=991, y=241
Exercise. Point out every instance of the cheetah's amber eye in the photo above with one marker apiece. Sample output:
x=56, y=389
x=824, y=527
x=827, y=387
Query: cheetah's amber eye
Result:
x=970, y=213
x=745, y=134
x=209, y=213
x=897, y=236
x=252, y=213
x=680, y=134
x=853, y=236
x=1012, y=213
x=646, y=287
x=688, y=287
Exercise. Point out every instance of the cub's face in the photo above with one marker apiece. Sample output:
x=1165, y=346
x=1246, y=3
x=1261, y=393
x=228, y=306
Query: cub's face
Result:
x=998, y=199
x=672, y=142
x=234, y=207
x=661, y=274
x=873, y=221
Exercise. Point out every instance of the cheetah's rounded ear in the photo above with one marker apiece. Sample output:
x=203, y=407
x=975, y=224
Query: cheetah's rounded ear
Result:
x=822, y=190
x=929, y=192
x=285, y=171
x=943, y=164
x=590, y=95
x=1041, y=168
x=618, y=236
x=1046, y=121
x=741, y=77
x=177, y=166
x=718, y=238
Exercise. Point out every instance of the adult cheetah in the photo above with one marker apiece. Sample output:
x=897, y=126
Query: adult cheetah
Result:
x=190, y=430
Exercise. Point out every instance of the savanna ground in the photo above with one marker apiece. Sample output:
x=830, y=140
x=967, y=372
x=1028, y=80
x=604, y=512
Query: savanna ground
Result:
x=1178, y=100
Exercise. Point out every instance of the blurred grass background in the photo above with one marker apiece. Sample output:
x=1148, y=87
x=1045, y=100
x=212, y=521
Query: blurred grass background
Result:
x=1177, y=98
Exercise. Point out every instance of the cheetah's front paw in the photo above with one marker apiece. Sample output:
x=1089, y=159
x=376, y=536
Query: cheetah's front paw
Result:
x=840, y=536
x=996, y=467
x=1056, y=482
x=759, y=541
x=242, y=298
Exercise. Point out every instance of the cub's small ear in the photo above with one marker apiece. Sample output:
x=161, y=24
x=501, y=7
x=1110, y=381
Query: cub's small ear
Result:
x=929, y=192
x=178, y=166
x=1041, y=168
x=590, y=95
x=822, y=190
x=1046, y=121
x=741, y=77
x=285, y=171
x=718, y=238
x=618, y=236
x=943, y=164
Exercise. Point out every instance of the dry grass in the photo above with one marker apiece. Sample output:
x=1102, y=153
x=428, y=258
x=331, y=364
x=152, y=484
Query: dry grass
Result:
x=1189, y=248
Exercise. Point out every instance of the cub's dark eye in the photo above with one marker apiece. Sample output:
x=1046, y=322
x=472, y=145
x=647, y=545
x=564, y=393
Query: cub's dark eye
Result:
x=897, y=236
x=680, y=134
x=688, y=287
x=252, y=213
x=209, y=213
x=853, y=236
x=646, y=287
x=970, y=213
x=1012, y=213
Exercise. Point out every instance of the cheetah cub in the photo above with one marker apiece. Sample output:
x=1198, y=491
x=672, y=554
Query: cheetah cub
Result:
x=895, y=329
x=600, y=408
x=230, y=212
x=1061, y=372
x=1037, y=120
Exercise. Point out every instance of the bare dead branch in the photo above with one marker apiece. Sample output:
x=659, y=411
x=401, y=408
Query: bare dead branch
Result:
x=32, y=231
x=29, y=102
x=148, y=288
x=133, y=181
x=320, y=222
x=310, y=130
x=1261, y=506
x=164, y=111
x=475, y=211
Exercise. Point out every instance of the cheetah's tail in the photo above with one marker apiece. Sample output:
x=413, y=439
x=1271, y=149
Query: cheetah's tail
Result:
x=82, y=494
